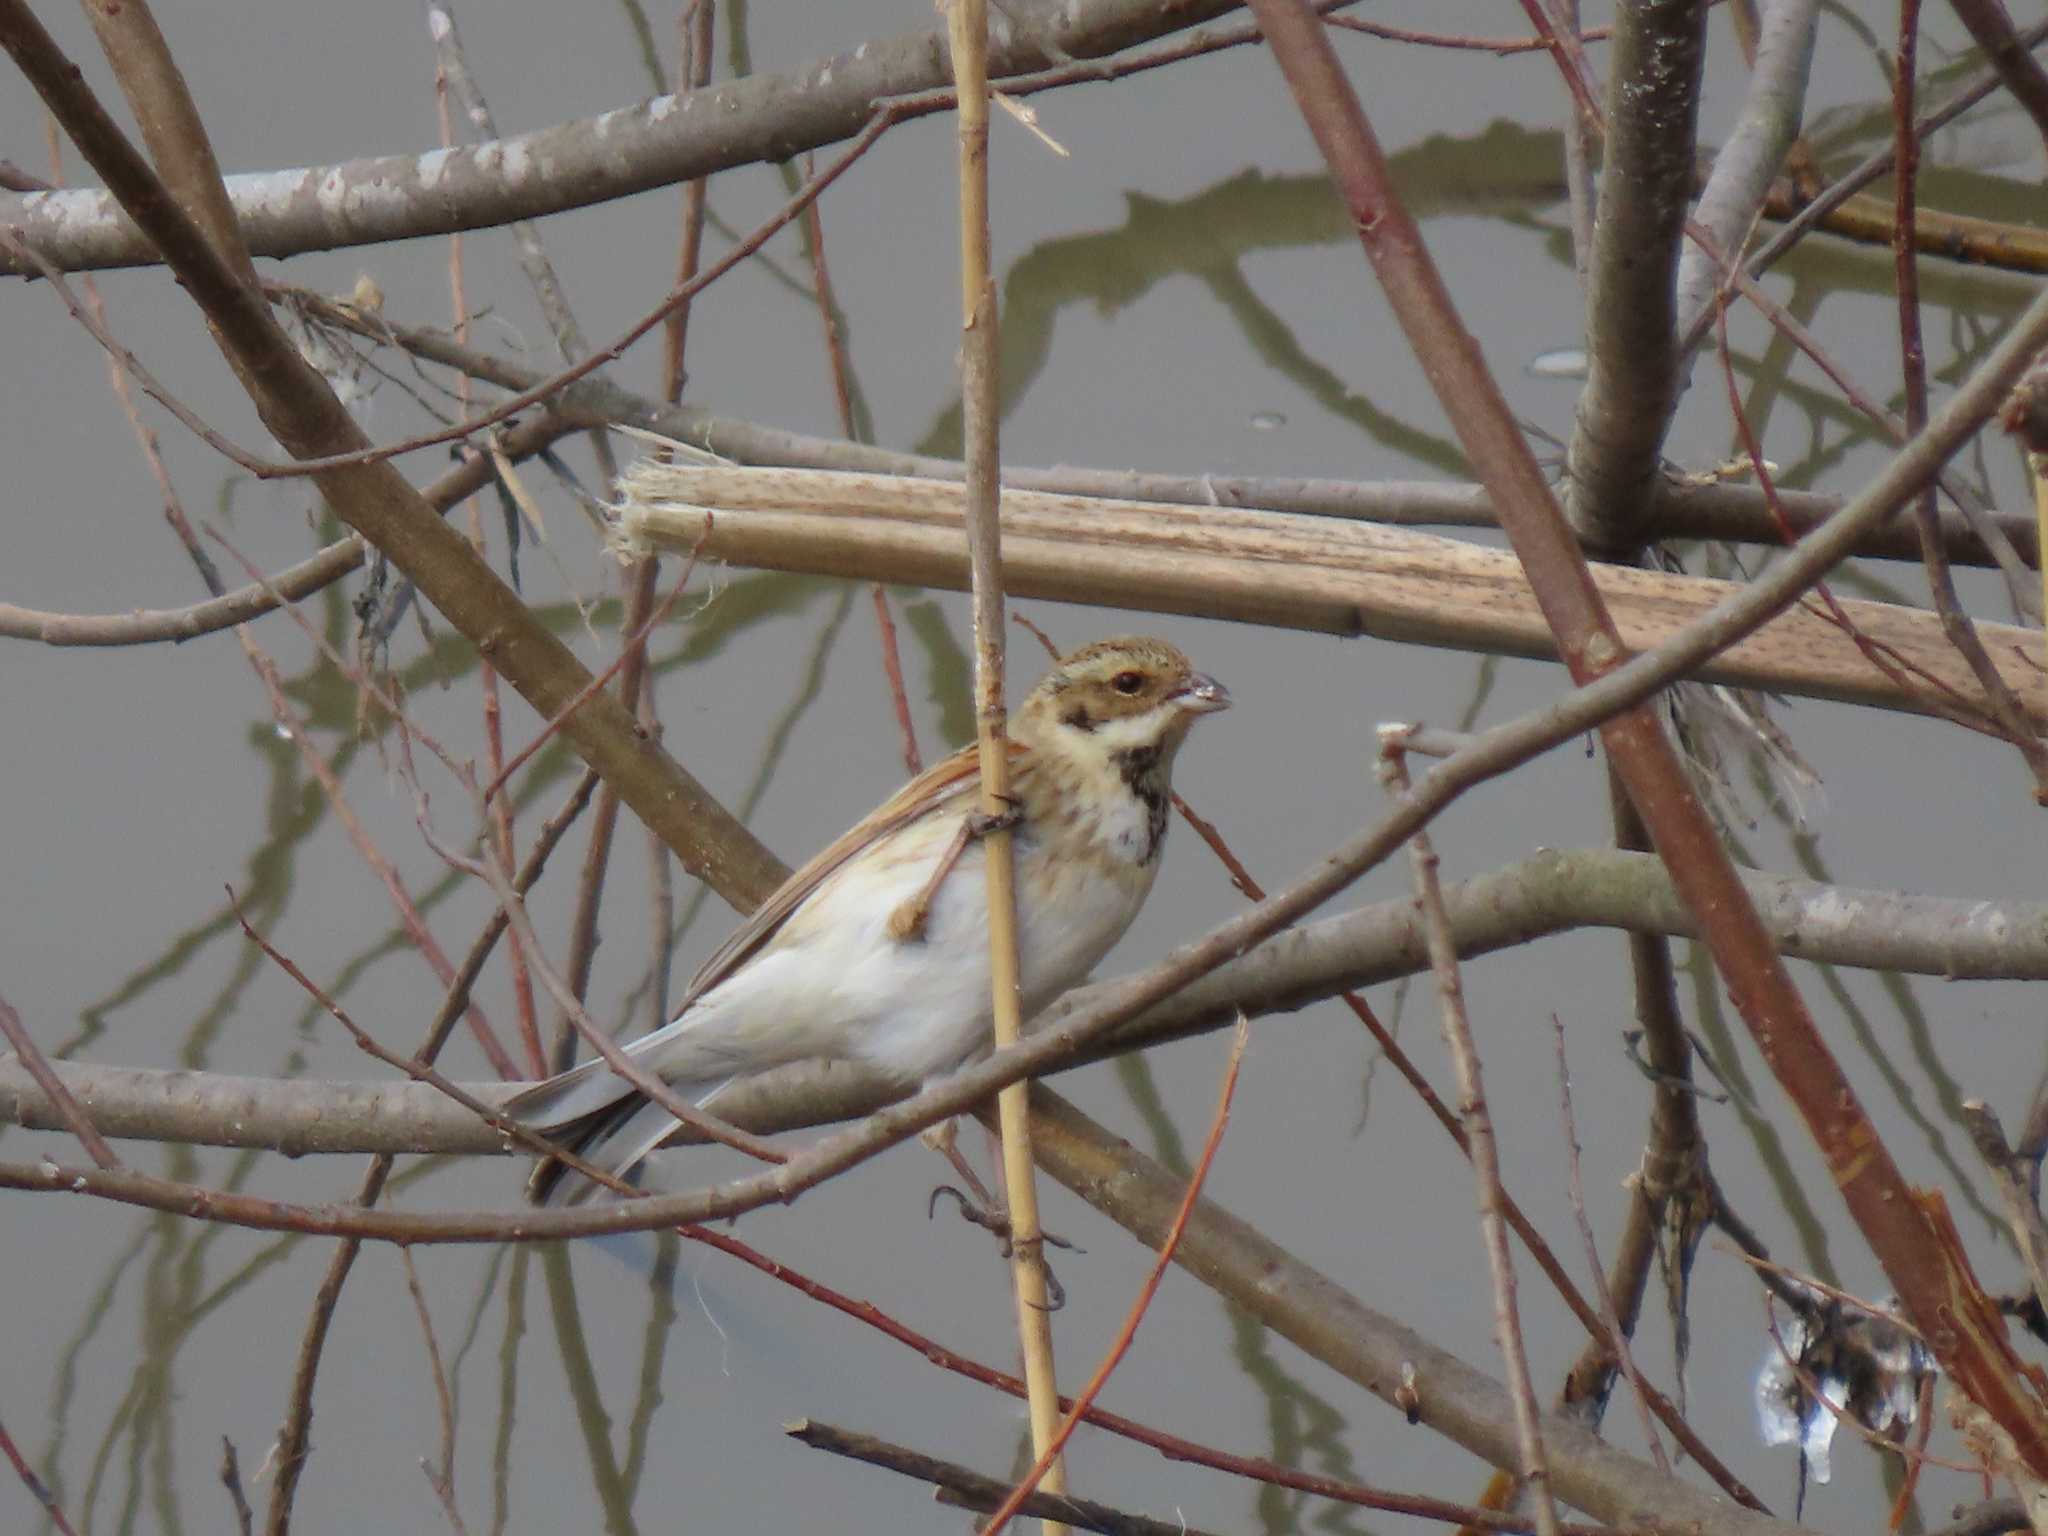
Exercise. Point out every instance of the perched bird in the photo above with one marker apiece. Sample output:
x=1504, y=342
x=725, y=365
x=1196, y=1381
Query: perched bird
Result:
x=876, y=951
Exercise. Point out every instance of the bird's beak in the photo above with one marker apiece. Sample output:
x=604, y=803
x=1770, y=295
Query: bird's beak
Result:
x=1201, y=695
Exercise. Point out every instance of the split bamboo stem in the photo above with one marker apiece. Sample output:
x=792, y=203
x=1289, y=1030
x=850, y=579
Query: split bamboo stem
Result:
x=1284, y=569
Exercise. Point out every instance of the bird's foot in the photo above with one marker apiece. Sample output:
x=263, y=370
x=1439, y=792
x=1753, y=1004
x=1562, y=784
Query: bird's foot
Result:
x=907, y=923
x=993, y=1218
x=981, y=823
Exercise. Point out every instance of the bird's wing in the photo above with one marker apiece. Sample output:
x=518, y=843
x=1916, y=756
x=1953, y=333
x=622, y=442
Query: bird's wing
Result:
x=954, y=777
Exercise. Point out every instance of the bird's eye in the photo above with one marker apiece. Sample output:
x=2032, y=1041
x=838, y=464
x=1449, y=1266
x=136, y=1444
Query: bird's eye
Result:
x=1128, y=683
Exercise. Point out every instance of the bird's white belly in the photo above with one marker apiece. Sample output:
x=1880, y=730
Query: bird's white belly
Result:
x=918, y=1008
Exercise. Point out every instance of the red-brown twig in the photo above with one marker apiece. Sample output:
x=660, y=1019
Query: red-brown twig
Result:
x=892, y=666
x=841, y=370
x=696, y=28
x=1173, y=1447
x=1113, y=1356
x=414, y=1067
x=501, y=842
x=34, y=1484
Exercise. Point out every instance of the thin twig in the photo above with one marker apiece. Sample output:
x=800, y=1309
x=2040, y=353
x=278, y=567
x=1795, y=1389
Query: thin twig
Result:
x=1955, y=623
x=634, y=645
x=1991, y=29
x=1912, y=1234
x=1866, y=171
x=301, y=410
x=514, y=907
x=444, y=1474
x=1617, y=1336
x=145, y=437
x=1121, y=1346
x=697, y=25
x=449, y=62
x=1934, y=694
x=39, y=1489
x=231, y=1479
x=452, y=73
x=413, y=1067
x=301, y=580
x=884, y=119
x=841, y=369
x=1484, y=1151
x=294, y=1439
x=955, y=1484
x=1175, y=1448
x=75, y=1118
x=1714, y=510
x=12, y=243
x=409, y=915
x=1503, y=46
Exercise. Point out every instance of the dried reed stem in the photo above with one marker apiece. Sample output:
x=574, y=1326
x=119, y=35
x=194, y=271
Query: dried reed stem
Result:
x=967, y=32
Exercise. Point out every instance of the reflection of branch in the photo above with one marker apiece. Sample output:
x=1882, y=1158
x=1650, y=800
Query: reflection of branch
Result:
x=1551, y=893
x=294, y=1435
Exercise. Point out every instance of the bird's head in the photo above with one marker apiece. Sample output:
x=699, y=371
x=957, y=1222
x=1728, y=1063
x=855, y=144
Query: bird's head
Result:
x=1116, y=698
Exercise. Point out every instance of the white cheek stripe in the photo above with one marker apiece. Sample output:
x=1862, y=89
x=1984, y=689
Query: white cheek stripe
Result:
x=1130, y=731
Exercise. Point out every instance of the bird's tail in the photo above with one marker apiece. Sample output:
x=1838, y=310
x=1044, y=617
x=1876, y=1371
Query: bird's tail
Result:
x=600, y=1117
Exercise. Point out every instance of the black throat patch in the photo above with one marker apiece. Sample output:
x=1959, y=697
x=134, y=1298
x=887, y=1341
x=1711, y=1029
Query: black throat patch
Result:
x=1141, y=771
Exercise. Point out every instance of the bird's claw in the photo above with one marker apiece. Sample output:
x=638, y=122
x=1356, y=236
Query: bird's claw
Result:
x=907, y=923
x=981, y=823
x=996, y=1221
